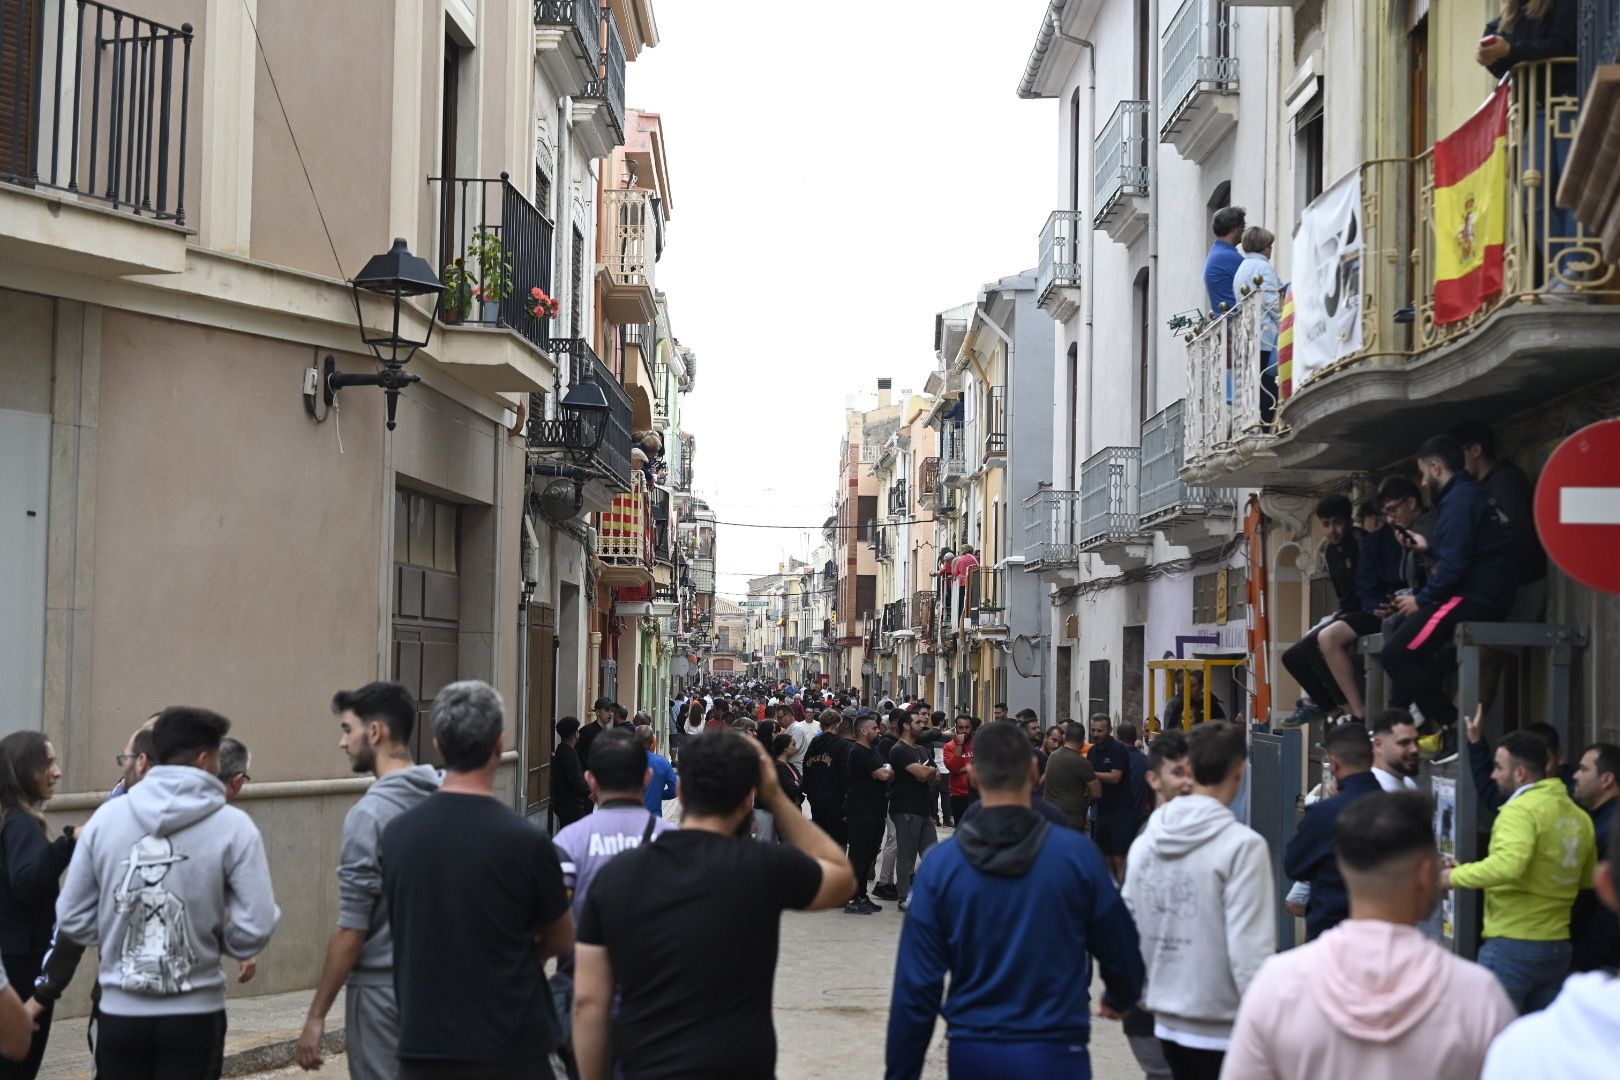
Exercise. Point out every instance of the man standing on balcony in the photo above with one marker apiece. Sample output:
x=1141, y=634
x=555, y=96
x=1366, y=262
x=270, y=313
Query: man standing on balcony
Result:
x=1224, y=258
x=1473, y=580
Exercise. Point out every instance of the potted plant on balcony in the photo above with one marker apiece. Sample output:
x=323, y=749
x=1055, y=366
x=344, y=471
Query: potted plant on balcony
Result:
x=494, y=273
x=538, y=305
x=458, y=292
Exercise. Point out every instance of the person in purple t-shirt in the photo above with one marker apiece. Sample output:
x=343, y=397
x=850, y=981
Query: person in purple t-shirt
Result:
x=618, y=777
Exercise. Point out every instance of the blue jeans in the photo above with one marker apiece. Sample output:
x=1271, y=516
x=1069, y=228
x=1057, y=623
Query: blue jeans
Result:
x=1530, y=971
x=992, y=1059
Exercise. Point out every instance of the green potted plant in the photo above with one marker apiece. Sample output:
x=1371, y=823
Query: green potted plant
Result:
x=495, y=277
x=458, y=292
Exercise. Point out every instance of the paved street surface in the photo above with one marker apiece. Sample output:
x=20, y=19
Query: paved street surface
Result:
x=832, y=1002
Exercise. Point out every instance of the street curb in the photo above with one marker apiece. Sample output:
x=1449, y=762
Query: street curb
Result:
x=277, y=1054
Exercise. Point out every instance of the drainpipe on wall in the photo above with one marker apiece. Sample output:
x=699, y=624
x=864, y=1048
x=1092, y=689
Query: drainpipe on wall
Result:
x=1083, y=445
x=1152, y=158
x=1087, y=284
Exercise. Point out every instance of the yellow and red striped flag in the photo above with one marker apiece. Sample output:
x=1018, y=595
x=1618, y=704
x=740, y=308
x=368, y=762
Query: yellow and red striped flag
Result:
x=1285, y=347
x=1470, y=211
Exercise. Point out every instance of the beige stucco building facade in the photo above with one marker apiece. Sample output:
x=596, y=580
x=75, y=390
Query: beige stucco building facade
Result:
x=190, y=526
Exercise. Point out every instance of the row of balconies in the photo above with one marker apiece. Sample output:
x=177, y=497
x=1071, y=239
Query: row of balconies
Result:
x=1127, y=493
x=579, y=45
x=1197, y=108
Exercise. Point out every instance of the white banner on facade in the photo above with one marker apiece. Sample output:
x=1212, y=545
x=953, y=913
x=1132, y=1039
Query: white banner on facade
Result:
x=1327, y=279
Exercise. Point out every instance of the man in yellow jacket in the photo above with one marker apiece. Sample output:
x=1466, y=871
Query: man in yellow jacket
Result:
x=1542, y=853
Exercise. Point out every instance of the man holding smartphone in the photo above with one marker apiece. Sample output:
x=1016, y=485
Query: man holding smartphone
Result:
x=1473, y=580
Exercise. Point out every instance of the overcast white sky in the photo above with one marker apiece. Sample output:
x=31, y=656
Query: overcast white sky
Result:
x=838, y=173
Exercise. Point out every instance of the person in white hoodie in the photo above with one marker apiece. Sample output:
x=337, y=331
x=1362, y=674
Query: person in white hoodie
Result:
x=1373, y=997
x=1198, y=883
x=1575, y=1037
x=164, y=881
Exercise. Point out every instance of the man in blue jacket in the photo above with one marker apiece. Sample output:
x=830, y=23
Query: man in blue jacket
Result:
x=1310, y=855
x=980, y=911
x=1473, y=580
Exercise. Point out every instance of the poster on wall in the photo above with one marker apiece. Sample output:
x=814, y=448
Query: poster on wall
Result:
x=1326, y=289
x=1445, y=836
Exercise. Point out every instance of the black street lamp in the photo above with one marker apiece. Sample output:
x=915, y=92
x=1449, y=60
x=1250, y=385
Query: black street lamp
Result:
x=397, y=275
x=585, y=413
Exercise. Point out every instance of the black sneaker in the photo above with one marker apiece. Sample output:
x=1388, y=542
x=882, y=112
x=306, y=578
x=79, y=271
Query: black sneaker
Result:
x=886, y=892
x=871, y=908
x=860, y=906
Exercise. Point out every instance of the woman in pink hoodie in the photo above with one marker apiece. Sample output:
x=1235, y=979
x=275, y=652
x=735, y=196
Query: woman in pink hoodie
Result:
x=1372, y=997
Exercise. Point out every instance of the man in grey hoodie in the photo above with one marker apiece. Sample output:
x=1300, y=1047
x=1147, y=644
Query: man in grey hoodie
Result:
x=163, y=881
x=1199, y=887
x=375, y=722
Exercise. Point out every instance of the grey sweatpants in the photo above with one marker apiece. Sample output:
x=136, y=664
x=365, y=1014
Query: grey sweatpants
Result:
x=372, y=1019
x=886, y=859
x=913, y=835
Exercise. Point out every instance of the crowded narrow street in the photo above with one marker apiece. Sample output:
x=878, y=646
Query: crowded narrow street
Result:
x=932, y=540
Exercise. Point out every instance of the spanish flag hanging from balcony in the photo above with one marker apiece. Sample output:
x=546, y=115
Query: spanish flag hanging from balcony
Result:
x=1470, y=211
x=1285, y=347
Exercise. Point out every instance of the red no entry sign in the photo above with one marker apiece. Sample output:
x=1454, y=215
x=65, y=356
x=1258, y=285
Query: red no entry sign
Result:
x=1578, y=506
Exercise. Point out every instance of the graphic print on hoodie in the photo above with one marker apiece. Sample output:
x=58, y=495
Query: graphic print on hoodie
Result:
x=167, y=879
x=1198, y=883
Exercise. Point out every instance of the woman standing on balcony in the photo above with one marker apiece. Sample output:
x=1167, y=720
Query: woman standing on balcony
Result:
x=1528, y=32
x=1532, y=30
x=1254, y=273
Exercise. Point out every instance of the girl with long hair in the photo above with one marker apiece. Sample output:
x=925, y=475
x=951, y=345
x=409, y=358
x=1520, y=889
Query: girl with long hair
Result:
x=32, y=866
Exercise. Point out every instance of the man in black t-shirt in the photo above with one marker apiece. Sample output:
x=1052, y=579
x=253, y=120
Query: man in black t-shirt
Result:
x=911, y=799
x=825, y=779
x=1116, y=816
x=477, y=905
x=695, y=995
x=865, y=810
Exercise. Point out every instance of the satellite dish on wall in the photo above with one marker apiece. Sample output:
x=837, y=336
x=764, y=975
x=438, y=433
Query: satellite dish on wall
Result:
x=923, y=665
x=679, y=666
x=560, y=501
x=1026, y=655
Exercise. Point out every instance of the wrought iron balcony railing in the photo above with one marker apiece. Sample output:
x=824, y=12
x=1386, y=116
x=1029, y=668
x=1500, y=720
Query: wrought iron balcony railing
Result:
x=995, y=421
x=103, y=113
x=1165, y=495
x=564, y=433
x=1224, y=404
x=1547, y=254
x=609, y=84
x=1197, y=56
x=1058, y=265
x=928, y=479
x=1109, y=485
x=494, y=237
x=922, y=610
x=899, y=500
x=1120, y=154
x=583, y=18
x=953, y=445
x=1049, y=529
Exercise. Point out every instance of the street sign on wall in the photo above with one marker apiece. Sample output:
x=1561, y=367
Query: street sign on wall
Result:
x=1578, y=506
